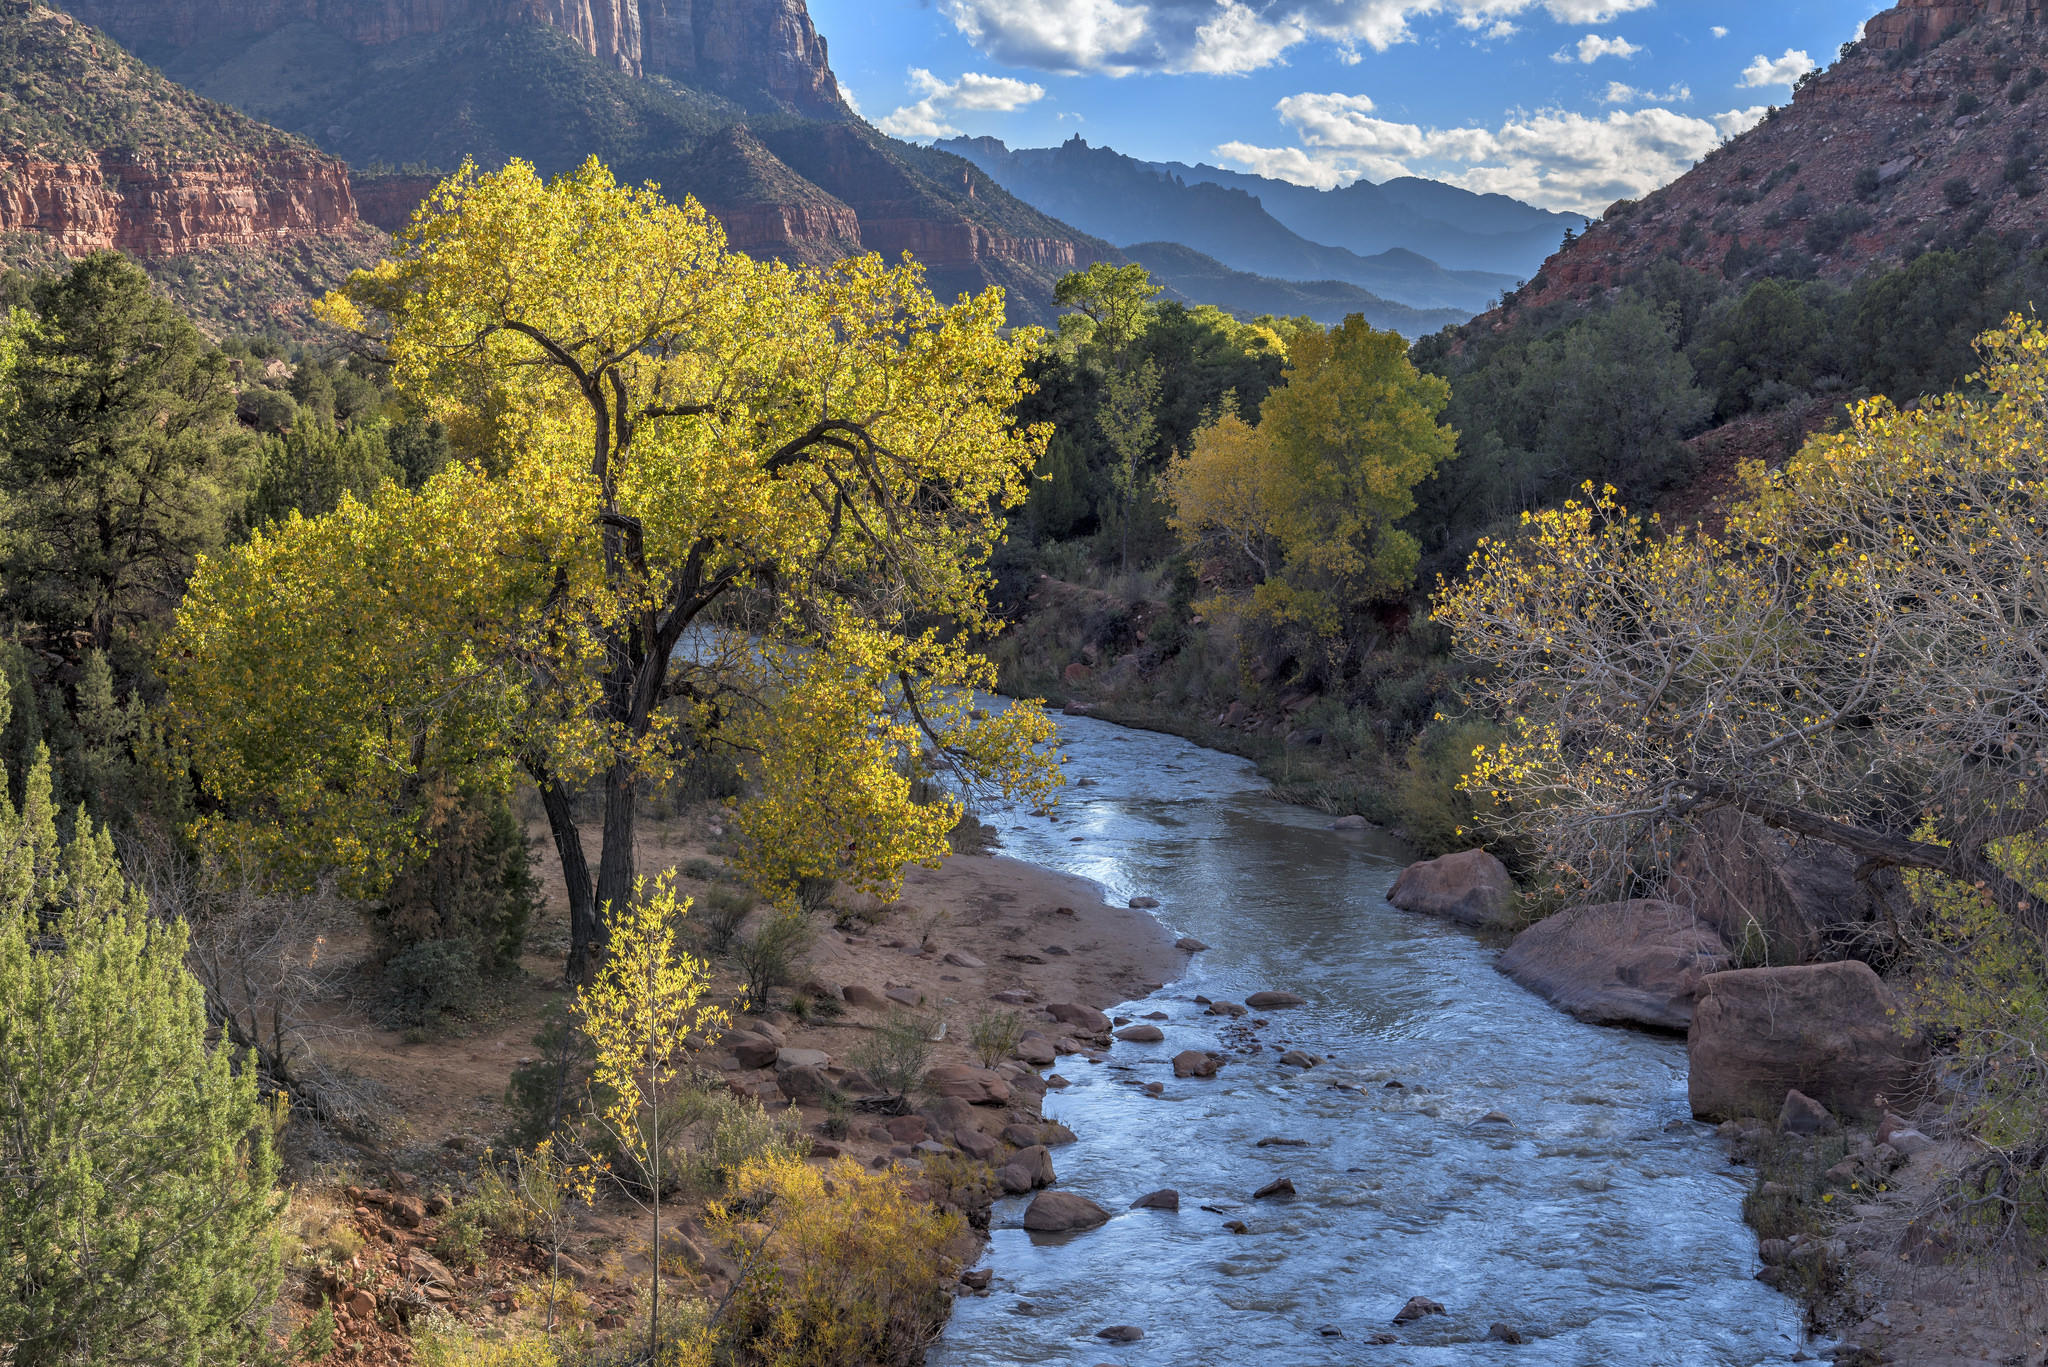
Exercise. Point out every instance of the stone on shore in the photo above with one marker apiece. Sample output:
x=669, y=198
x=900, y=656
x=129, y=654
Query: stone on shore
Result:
x=1808, y=900
x=976, y=1145
x=1027, y=1170
x=1267, y=1001
x=786, y=1059
x=1141, y=1034
x=804, y=1084
x=975, y=1086
x=1166, y=1198
x=1829, y=1030
x=1619, y=963
x=1060, y=1212
x=750, y=1050
x=1196, y=1063
x=1036, y=1049
x=1144, y=903
x=1353, y=822
x=959, y=960
x=1801, y=1114
x=856, y=995
x=1471, y=888
x=1190, y=944
x=1083, y=1017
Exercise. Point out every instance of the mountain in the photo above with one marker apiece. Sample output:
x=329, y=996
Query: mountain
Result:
x=1928, y=132
x=728, y=100
x=1205, y=280
x=1104, y=192
x=99, y=151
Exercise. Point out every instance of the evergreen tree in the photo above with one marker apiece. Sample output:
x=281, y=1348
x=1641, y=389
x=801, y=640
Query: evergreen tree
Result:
x=136, y=1165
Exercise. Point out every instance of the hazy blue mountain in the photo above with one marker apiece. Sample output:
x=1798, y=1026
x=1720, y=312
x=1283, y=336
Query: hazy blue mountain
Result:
x=1203, y=279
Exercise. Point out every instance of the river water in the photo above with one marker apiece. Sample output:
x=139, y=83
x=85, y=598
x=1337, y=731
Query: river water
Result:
x=1604, y=1225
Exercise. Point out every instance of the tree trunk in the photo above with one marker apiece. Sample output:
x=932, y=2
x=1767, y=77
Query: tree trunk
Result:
x=615, y=865
x=584, y=930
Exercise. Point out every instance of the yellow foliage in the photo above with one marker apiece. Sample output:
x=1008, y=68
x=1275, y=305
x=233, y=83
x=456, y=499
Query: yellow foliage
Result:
x=707, y=503
x=840, y=1267
x=470, y=1350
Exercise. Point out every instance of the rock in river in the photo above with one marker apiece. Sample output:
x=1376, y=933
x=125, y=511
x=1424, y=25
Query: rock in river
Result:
x=1085, y=1017
x=1279, y=1186
x=1141, y=1034
x=1417, y=1307
x=1059, y=1212
x=1195, y=1063
x=1267, y=1001
x=1471, y=888
x=1166, y=1198
x=1619, y=963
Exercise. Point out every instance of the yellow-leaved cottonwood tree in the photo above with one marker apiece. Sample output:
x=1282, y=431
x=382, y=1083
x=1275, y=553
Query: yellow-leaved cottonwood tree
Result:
x=1857, y=659
x=709, y=506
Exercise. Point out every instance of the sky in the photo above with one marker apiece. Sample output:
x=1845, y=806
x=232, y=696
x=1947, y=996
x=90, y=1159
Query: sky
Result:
x=1568, y=104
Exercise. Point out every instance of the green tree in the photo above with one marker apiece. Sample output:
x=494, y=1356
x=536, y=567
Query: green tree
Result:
x=309, y=468
x=120, y=461
x=136, y=1167
x=1117, y=302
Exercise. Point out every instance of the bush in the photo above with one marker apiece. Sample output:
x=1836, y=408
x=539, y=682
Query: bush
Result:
x=721, y=913
x=767, y=959
x=476, y=888
x=994, y=1035
x=897, y=1054
x=854, y=1270
x=722, y=1133
x=1957, y=192
x=430, y=984
x=1968, y=103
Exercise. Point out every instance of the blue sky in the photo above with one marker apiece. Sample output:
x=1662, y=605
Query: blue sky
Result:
x=1570, y=104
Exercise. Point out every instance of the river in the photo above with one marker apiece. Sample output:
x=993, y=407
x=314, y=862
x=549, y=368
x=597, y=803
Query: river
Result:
x=1603, y=1225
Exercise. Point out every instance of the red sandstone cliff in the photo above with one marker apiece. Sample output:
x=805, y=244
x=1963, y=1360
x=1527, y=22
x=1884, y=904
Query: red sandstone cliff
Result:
x=1934, y=127
x=767, y=45
x=166, y=210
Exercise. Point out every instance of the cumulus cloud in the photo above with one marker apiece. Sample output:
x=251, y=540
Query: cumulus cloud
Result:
x=927, y=116
x=1121, y=37
x=1552, y=157
x=1593, y=47
x=1718, y=31
x=1620, y=93
x=1785, y=71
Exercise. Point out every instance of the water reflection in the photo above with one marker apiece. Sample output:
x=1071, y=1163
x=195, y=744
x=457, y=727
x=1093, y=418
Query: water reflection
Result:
x=1601, y=1223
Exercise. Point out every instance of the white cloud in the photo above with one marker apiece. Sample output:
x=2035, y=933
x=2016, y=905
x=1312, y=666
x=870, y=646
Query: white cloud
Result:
x=1593, y=47
x=926, y=117
x=1785, y=71
x=1734, y=121
x=1718, y=31
x=1122, y=37
x=1618, y=93
x=1551, y=157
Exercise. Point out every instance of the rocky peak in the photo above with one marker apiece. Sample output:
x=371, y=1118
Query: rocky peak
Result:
x=733, y=46
x=1927, y=134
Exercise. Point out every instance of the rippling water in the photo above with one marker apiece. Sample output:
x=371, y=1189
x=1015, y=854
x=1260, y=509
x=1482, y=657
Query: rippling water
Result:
x=1604, y=1225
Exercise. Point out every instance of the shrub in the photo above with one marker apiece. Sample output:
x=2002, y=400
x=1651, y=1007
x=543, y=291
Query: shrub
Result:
x=767, y=959
x=544, y=1094
x=1957, y=192
x=721, y=913
x=465, y=1349
x=722, y=1133
x=476, y=888
x=897, y=1054
x=994, y=1035
x=428, y=983
x=1867, y=183
x=1968, y=103
x=839, y=1268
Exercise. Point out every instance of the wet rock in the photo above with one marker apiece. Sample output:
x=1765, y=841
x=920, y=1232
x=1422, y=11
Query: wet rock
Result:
x=1053, y=1134
x=1830, y=1030
x=856, y=995
x=1381, y=1338
x=1471, y=888
x=1196, y=1063
x=1801, y=1114
x=1121, y=1333
x=1083, y=1017
x=975, y=1086
x=1056, y=1081
x=785, y=1059
x=959, y=960
x=977, y=1278
x=1027, y=1170
x=1279, y=1186
x=1353, y=822
x=1166, y=1198
x=1141, y=1034
x=1144, y=903
x=1237, y=1226
x=1155, y=1016
x=1297, y=1058
x=1059, y=1212
x=1220, y=1008
x=1155, y=1089
x=1416, y=1308
x=1504, y=1333
x=1269, y=1001
x=1190, y=944
x=1274, y=1141
x=1495, y=1118
x=1619, y=963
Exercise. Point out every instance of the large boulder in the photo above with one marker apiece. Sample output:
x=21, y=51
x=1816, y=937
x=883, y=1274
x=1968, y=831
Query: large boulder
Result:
x=1085, y=1017
x=1027, y=1170
x=1618, y=963
x=1832, y=1031
x=1799, y=901
x=1058, y=1212
x=975, y=1086
x=1470, y=887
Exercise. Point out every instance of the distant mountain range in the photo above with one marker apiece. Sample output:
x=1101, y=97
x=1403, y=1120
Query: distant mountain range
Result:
x=1200, y=279
x=1424, y=243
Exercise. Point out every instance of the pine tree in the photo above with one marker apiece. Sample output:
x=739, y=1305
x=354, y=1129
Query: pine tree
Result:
x=136, y=1166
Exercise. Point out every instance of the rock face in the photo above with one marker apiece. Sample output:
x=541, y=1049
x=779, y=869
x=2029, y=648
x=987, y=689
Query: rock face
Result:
x=1619, y=963
x=164, y=210
x=1884, y=112
x=1471, y=888
x=1802, y=899
x=723, y=44
x=1830, y=1031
